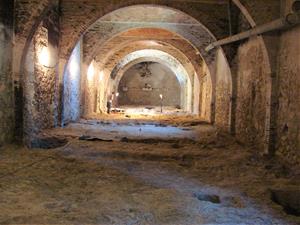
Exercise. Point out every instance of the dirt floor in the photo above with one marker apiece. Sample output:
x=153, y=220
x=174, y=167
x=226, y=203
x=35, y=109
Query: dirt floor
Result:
x=140, y=171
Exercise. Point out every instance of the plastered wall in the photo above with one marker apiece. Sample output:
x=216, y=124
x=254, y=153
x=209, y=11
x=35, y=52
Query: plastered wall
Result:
x=72, y=87
x=162, y=81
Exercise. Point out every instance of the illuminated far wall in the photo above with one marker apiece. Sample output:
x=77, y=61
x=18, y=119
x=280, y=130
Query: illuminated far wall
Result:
x=142, y=84
x=72, y=87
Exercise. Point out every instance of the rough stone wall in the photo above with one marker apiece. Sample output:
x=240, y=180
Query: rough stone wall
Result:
x=72, y=87
x=206, y=97
x=162, y=80
x=103, y=89
x=84, y=13
x=183, y=52
x=29, y=83
x=91, y=85
x=195, y=33
x=6, y=90
x=223, y=92
x=252, y=76
x=27, y=14
x=262, y=11
x=196, y=95
x=288, y=122
x=40, y=79
x=44, y=87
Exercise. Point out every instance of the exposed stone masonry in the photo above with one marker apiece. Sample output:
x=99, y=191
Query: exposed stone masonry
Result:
x=255, y=61
x=6, y=84
x=88, y=77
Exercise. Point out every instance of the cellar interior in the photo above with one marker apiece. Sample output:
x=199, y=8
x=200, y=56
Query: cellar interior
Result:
x=150, y=112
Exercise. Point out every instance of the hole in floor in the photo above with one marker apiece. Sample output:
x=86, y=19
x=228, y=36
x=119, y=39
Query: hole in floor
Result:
x=208, y=198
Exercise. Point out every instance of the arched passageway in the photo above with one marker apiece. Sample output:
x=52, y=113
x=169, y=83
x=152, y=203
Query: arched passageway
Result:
x=225, y=101
x=217, y=91
x=175, y=26
x=196, y=101
x=159, y=111
x=223, y=109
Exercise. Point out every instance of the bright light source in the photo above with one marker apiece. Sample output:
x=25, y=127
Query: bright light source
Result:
x=161, y=96
x=117, y=94
x=91, y=72
x=44, y=57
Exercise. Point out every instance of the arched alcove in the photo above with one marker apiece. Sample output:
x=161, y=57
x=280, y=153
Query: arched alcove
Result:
x=149, y=84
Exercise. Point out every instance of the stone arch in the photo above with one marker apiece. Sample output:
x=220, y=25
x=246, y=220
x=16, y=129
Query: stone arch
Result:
x=269, y=64
x=110, y=8
x=178, y=69
x=199, y=36
x=111, y=52
x=185, y=86
x=193, y=32
x=24, y=39
x=134, y=46
x=26, y=30
x=193, y=66
x=102, y=9
x=182, y=75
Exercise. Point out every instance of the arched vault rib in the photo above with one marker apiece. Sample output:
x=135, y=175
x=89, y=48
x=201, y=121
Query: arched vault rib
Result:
x=213, y=17
x=112, y=50
x=192, y=31
x=112, y=60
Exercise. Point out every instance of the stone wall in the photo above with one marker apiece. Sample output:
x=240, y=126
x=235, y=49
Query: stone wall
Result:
x=28, y=16
x=288, y=121
x=72, y=87
x=40, y=79
x=6, y=90
x=223, y=92
x=161, y=79
x=206, y=94
x=252, y=72
x=254, y=85
x=84, y=13
x=252, y=76
x=197, y=98
x=91, y=86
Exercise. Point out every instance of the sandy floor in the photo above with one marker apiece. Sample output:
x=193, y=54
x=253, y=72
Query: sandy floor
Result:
x=136, y=129
x=142, y=179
